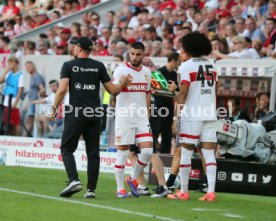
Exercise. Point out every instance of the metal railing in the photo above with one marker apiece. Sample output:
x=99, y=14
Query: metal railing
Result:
x=100, y=8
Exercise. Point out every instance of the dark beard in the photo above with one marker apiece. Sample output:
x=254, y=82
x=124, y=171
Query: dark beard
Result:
x=136, y=65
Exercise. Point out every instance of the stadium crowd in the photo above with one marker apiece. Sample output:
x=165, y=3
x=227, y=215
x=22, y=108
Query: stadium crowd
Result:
x=237, y=28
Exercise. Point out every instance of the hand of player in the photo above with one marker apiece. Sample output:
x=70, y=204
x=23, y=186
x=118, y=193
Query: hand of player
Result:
x=176, y=126
x=14, y=106
x=172, y=86
x=152, y=91
x=125, y=80
x=50, y=111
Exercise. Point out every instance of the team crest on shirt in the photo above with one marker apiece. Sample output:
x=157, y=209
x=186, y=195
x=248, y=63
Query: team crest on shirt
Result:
x=130, y=77
x=146, y=77
x=118, y=139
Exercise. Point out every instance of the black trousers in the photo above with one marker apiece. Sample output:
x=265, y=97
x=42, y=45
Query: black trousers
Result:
x=162, y=125
x=73, y=129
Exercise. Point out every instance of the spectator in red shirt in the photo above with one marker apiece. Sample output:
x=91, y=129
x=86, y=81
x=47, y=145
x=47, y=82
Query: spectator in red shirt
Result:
x=28, y=23
x=83, y=4
x=10, y=11
x=106, y=34
x=9, y=30
x=167, y=4
x=272, y=9
x=41, y=18
x=99, y=49
x=64, y=35
x=270, y=32
x=4, y=45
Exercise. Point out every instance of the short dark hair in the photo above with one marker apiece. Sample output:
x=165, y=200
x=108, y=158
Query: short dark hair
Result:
x=43, y=35
x=174, y=56
x=271, y=19
x=53, y=81
x=57, y=12
x=119, y=56
x=216, y=38
x=267, y=94
x=138, y=45
x=168, y=28
x=248, y=40
x=196, y=44
x=111, y=12
x=151, y=29
x=187, y=28
x=5, y=39
x=31, y=45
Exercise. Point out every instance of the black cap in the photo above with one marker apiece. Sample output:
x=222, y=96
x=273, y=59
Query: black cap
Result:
x=84, y=43
x=73, y=40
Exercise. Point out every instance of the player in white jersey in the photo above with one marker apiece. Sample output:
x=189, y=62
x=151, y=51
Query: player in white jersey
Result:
x=132, y=119
x=198, y=94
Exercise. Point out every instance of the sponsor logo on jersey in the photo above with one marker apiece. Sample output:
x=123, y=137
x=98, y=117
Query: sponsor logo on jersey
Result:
x=136, y=87
x=79, y=86
x=78, y=69
x=75, y=69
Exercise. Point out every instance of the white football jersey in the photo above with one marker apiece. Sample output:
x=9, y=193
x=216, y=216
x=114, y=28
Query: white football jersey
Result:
x=200, y=75
x=131, y=104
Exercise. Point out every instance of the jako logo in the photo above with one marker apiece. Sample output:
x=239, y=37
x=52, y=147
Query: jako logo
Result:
x=78, y=86
x=88, y=87
x=267, y=179
x=75, y=69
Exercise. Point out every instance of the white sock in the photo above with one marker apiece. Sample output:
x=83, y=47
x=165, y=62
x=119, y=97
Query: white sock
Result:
x=141, y=162
x=211, y=168
x=185, y=168
x=120, y=168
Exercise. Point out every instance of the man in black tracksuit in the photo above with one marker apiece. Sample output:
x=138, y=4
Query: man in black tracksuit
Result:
x=83, y=114
x=161, y=124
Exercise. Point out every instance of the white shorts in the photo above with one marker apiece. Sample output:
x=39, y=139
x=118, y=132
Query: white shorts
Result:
x=193, y=132
x=129, y=136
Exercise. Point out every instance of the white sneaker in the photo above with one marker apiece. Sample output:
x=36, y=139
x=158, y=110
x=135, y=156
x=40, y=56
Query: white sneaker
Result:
x=72, y=188
x=90, y=194
x=160, y=192
x=144, y=191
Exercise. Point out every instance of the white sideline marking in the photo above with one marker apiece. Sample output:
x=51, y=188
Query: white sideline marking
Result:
x=91, y=205
x=232, y=215
x=205, y=209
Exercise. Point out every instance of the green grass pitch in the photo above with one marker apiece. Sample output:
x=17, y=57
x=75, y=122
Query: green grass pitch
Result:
x=37, y=199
